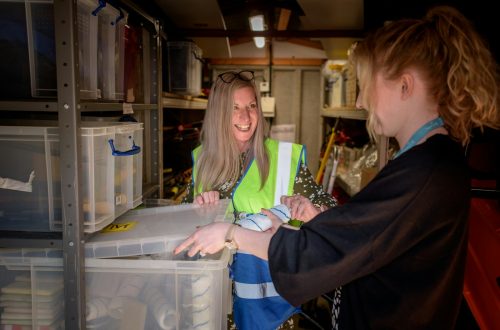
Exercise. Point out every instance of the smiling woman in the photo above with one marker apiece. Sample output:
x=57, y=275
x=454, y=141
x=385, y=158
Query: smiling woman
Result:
x=236, y=160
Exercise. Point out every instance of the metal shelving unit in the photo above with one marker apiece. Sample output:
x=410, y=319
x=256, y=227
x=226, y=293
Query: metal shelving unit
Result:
x=69, y=109
x=350, y=113
x=345, y=112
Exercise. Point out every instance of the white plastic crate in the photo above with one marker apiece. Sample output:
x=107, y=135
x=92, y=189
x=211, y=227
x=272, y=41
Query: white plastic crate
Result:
x=41, y=46
x=184, y=68
x=111, y=48
x=30, y=187
x=153, y=230
x=87, y=37
x=175, y=293
x=126, y=149
x=155, y=291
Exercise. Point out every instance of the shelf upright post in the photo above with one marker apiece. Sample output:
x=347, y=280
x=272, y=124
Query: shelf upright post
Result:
x=66, y=29
x=157, y=131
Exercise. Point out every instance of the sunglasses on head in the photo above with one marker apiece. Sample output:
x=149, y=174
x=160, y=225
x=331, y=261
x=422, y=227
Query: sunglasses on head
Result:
x=229, y=76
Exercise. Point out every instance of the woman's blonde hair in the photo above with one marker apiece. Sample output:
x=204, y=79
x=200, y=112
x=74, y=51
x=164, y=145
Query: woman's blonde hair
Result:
x=219, y=160
x=460, y=72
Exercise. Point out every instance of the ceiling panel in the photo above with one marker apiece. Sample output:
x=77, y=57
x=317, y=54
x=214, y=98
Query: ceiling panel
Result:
x=332, y=14
x=233, y=15
x=193, y=14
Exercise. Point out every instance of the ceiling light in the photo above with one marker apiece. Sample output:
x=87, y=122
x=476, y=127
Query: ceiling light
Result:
x=260, y=42
x=257, y=24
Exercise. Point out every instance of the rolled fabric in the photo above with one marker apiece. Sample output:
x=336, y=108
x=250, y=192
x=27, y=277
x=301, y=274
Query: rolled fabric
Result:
x=281, y=211
x=260, y=221
x=97, y=308
x=201, y=311
x=130, y=287
x=201, y=285
x=256, y=221
x=201, y=316
x=163, y=311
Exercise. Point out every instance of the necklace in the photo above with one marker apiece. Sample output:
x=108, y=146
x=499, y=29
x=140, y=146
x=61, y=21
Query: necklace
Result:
x=420, y=133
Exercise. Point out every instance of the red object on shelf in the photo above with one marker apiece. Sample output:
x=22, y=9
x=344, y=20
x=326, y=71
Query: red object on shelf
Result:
x=340, y=195
x=482, y=274
x=133, y=64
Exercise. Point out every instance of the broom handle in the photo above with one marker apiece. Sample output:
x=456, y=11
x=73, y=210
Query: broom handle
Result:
x=327, y=153
x=325, y=157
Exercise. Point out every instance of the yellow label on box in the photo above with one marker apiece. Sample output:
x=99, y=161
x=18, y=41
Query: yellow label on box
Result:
x=114, y=227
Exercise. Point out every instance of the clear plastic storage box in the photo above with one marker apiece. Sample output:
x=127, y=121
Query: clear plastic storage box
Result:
x=27, y=38
x=87, y=36
x=41, y=47
x=184, y=67
x=158, y=291
x=30, y=187
x=126, y=149
x=152, y=230
x=111, y=48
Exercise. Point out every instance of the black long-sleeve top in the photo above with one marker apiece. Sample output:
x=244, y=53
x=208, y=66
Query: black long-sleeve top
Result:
x=397, y=248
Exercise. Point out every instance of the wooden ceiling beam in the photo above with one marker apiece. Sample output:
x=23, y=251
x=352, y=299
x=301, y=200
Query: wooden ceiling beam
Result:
x=306, y=43
x=265, y=61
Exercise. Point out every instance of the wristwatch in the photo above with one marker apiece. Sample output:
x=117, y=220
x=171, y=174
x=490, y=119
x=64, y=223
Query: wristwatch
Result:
x=229, y=241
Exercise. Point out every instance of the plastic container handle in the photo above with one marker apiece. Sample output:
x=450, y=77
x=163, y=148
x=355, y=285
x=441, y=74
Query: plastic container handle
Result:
x=134, y=151
x=102, y=4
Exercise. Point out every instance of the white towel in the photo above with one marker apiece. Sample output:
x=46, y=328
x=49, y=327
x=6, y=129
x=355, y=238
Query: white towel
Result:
x=260, y=221
x=7, y=183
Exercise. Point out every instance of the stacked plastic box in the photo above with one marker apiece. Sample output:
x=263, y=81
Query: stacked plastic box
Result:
x=30, y=188
x=41, y=46
x=184, y=68
x=111, y=48
x=28, y=39
x=146, y=288
x=87, y=36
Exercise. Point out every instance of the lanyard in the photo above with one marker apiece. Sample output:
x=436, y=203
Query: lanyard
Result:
x=420, y=133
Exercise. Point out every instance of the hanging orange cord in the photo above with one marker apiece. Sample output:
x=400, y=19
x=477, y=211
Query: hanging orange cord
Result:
x=328, y=150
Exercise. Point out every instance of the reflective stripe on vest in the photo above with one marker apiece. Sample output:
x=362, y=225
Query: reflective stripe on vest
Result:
x=250, y=285
x=283, y=175
x=255, y=291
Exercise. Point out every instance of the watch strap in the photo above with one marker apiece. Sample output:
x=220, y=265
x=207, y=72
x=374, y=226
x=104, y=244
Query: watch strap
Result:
x=229, y=239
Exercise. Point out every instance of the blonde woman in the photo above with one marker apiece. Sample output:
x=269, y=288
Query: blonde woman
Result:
x=236, y=160
x=398, y=247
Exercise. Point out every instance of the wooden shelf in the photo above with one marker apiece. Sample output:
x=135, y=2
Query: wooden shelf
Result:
x=193, y=104
x=345, y=112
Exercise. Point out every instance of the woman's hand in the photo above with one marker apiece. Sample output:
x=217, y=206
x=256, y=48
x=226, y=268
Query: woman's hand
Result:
x=207, y=239
x=300, y=207
x=207, y=197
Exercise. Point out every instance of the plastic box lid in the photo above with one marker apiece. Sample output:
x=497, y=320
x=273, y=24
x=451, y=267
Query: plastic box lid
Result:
x=153, y=230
